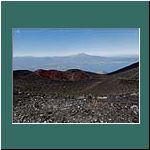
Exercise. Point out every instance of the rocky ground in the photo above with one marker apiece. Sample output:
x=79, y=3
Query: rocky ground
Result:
x=41, y=108
x=109, y=99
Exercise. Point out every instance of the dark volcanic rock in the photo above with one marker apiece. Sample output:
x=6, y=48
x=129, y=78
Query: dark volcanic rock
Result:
x=75, y=96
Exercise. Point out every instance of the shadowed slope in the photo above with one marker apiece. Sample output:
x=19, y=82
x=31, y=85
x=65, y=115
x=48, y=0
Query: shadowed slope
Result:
x=132, y=66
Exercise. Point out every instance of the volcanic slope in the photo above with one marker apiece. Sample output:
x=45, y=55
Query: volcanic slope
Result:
x=76, y=96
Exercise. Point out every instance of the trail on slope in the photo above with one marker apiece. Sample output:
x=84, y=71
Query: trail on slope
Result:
x=92, y=86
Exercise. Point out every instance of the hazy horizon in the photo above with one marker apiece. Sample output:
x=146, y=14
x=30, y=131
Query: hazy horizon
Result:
x=76, y=54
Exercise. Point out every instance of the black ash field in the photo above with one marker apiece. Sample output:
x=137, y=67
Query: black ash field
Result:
x=76, y=97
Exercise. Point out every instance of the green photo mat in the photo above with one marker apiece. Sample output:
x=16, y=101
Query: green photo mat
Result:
x=74, y=15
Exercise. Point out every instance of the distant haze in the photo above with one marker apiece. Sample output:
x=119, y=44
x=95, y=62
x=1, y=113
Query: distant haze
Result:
x=80, y=61
x=96, y=50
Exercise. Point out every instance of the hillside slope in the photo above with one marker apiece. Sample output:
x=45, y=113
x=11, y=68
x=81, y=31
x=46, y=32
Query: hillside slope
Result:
x=80, y=97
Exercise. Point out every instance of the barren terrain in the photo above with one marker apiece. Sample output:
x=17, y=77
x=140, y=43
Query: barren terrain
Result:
x=76, y=96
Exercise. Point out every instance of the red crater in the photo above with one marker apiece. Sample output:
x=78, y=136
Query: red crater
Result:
x=52, y=74
x=70, y=75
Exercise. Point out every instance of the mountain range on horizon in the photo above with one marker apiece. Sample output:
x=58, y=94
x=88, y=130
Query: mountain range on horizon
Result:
x=76, y=54
x=81, y=61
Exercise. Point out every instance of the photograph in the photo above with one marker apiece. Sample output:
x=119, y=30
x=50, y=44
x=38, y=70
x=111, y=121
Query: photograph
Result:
x=75, y=75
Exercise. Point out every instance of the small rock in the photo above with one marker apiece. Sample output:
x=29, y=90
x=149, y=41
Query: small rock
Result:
x=134, y=94
x=81, y=97
x=101, y=97
x=135, y=109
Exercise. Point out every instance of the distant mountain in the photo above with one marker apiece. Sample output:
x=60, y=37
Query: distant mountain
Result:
x=80, y=61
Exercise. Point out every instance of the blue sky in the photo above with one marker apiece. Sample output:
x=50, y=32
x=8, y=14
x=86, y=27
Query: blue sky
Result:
x=63, y=42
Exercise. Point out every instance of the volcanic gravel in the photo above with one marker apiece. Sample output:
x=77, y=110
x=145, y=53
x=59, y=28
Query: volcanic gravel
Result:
x=112, y=98
x=41, y=108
